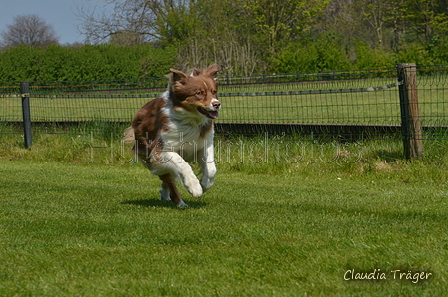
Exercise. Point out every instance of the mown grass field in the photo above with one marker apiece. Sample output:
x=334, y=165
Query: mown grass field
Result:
x=248, y=104
x=281, y=220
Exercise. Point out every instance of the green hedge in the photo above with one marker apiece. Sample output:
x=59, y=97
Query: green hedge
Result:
x=325, y=52
x=98, y=62
x=328, y=52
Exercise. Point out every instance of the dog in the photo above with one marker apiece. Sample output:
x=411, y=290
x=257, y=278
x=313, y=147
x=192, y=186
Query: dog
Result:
x=177, y=128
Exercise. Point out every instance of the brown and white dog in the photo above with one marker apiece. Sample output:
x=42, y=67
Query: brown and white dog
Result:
x=177, y=128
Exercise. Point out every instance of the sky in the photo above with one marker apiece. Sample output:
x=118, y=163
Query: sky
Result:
x=59, y=13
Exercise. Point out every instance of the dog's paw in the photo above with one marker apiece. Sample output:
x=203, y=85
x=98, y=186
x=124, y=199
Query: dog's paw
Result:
x=206, y=183
x=194, y=188
x=165, y=194
x=182, y=204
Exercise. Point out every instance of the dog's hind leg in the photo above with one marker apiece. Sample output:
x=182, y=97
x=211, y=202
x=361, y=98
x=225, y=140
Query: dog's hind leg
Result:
x=165, y=192
x=169, y=188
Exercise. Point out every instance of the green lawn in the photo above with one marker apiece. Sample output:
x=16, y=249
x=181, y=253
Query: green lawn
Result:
x=269, y=226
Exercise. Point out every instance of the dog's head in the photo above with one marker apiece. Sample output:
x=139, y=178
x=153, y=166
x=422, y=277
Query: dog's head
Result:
x=196, y=93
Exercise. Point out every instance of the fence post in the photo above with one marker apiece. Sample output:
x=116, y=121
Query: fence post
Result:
x=410, y=113
x=24, y=90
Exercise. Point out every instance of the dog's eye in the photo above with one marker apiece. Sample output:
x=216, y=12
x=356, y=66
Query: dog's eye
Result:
x=200, y=93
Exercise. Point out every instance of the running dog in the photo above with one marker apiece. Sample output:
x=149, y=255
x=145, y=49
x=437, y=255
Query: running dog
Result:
x=177, y=128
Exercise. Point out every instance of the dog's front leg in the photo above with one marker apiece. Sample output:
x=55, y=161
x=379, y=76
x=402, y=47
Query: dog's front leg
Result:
x=208, y=167
x=173, y=164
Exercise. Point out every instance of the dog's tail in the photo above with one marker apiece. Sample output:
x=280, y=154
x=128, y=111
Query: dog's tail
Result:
x=129, y=136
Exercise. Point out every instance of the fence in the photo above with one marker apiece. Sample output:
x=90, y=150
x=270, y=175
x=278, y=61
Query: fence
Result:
x=350, y=105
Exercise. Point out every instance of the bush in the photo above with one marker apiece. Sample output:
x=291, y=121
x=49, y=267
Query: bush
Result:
x=439, y=50
x=325, y=53
x=367, y=58
x=415, y=53
x=91, y=62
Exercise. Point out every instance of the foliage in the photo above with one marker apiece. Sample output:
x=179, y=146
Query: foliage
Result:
x=439, y=50
x=416, y=53
x=325, y=52
x=282, y=21
x=229, y=32
x=367, y=57
x=243, y=37
x=90, y=62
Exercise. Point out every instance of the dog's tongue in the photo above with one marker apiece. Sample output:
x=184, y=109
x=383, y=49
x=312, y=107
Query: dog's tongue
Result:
x=213, y=114
x=209, y=114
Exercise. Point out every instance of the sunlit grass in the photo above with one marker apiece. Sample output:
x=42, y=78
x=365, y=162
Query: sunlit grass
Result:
x=286, y=217
x=100, y=230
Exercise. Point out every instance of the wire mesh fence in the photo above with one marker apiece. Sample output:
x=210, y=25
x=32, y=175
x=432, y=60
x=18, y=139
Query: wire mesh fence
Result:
x=114, y=101
x=364, y=104
x=331, y=102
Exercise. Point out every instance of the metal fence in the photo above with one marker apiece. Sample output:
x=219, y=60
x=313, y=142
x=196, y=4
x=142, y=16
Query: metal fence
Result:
x=343, y=104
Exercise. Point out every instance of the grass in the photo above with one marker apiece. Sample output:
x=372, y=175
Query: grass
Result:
x=281, y=220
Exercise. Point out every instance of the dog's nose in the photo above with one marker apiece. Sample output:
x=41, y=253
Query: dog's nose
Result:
x=216, y=104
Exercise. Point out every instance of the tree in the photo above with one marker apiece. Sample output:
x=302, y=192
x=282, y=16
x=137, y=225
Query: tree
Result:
x=125, y=38
x=203, y=31
x=427, y=17
x=102, y=24
x=29, y=30
x=283, y=20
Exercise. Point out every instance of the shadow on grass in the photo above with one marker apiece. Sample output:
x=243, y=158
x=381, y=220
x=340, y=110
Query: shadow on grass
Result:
x=389, y=156
x=160, y=203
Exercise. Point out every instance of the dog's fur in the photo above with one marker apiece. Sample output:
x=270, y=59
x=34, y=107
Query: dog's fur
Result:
x=177, y=128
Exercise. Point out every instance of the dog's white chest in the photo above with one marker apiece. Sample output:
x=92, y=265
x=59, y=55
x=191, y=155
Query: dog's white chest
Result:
x=185, y=140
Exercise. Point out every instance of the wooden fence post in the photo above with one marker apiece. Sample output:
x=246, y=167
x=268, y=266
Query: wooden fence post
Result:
x=410, y=113
x=24, y=90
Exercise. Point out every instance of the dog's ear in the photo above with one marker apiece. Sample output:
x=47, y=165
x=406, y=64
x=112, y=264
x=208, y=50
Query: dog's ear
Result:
x=178, y=76
x=212, y=70
x=196, y=72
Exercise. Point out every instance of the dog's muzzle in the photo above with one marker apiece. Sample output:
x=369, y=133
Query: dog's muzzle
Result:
x=216, y=104
x=212, y=111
